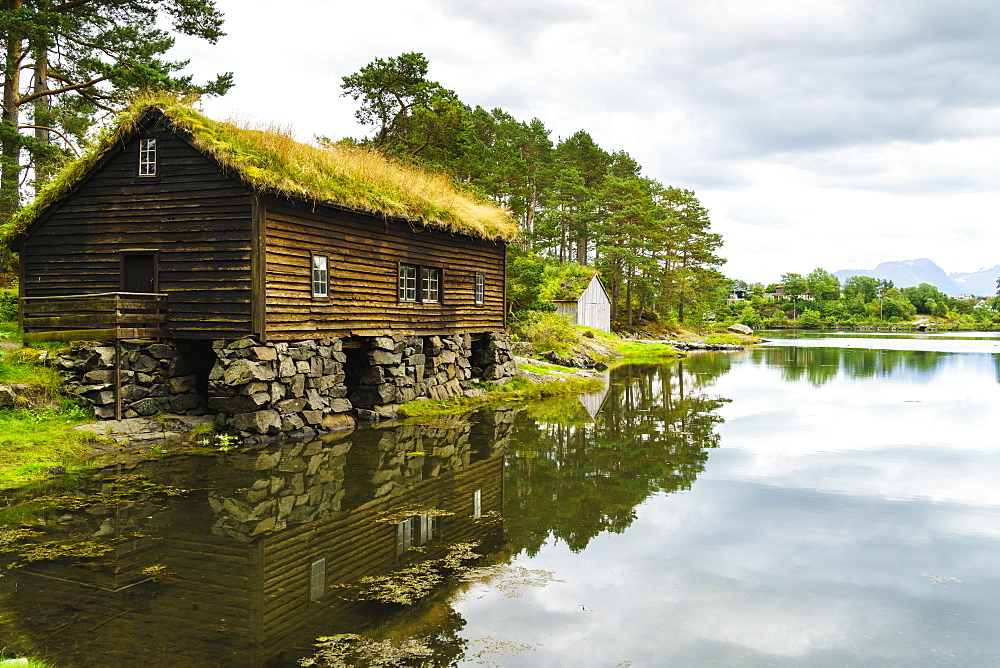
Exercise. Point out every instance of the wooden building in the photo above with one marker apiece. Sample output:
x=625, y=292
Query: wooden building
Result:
x=592, y=308
x=250, y=233
x=212, y=237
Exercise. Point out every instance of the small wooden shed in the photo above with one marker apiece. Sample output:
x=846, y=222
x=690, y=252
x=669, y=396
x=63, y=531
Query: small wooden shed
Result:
x=591, y=309
x=242, y=232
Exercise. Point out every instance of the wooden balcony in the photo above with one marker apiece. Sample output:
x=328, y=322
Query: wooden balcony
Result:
x=107, y=316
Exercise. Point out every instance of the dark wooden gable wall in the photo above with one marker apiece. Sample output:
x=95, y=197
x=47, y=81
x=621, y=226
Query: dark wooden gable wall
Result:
x=194, y=219
x=364, y=253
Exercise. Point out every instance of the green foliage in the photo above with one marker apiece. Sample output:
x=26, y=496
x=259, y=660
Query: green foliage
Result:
x=750, y=317
x=67, y=62
x=526, y=281
x=8, y=305
x=566, y=281
x=546, y=331
x=811, y=320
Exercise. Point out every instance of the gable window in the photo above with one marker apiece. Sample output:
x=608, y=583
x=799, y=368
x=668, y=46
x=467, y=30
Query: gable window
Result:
x=320, y=276
x=430, y=284
x=480, y=289
x=147, y=157
x=407, y=283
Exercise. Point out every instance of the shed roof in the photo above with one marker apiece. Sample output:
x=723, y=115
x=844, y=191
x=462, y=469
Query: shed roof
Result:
x=270, y=161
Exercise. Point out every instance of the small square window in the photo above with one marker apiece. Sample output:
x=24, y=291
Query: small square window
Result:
x=407, y=283
x=147, y=157
x=430, y=284
x=320, y=276
x=480, y=289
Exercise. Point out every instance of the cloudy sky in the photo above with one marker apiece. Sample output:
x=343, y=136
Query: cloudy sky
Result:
x=833, y=133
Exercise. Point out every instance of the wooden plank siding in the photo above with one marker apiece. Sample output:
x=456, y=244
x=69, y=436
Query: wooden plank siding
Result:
x=364, y=255
x=195, y=218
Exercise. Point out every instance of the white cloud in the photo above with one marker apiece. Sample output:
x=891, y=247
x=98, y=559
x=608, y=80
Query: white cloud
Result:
x=835, y=134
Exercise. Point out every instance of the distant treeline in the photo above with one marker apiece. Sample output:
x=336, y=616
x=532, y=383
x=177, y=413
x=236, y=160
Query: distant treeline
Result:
x=818, y=299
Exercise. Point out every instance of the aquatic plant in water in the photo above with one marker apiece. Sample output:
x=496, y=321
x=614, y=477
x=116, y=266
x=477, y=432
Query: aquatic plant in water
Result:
x=349, y=649
x=408, y=585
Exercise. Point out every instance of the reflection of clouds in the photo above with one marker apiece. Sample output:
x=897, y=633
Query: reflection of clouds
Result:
x=809, y=539
x=748, y=572
x=881, y=436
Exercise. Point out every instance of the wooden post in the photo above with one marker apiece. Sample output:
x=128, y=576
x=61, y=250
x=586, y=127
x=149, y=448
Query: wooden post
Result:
x=118, y=378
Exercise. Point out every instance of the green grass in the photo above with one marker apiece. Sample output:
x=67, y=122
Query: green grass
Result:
x=546, y=369
x=33, y=440
x=517, y=390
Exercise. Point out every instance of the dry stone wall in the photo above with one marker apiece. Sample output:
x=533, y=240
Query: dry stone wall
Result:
x=294, y=389
x=156, y=377
x=306, y=387
x=403, y=368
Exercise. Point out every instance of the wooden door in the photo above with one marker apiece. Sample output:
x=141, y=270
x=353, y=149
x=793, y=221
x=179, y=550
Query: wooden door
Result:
x=138, y=272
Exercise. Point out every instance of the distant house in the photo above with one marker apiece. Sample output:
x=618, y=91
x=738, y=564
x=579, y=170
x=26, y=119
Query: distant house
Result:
x=592, y=308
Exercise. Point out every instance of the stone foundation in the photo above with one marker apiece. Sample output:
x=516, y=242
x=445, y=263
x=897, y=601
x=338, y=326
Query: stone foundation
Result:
x=156, y=377
x=293, y=389
x=306, y=387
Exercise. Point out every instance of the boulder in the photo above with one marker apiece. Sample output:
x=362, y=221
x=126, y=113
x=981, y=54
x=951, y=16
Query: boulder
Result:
x=740, y=328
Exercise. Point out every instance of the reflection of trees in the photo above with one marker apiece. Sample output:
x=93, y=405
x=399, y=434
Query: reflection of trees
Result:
x=821, y=365
x=576, y=480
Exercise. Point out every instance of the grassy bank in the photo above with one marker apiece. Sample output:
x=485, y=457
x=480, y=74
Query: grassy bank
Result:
x=37, y=432
x=517, y=390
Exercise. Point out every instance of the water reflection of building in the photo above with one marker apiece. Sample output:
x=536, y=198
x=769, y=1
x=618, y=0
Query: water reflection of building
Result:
x=254, y=564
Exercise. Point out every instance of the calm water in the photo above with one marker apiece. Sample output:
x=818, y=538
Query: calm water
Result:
x=825, y=500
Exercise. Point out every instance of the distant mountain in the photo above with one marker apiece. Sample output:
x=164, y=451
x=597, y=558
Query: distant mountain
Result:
x=906, y=274
x=911, y=273
x=980, y=283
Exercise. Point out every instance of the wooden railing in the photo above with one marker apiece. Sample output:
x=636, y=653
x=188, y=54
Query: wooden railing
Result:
x=107, y=316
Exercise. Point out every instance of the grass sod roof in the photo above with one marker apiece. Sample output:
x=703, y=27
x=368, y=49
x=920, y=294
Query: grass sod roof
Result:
x=565, y=282
x=269, y=160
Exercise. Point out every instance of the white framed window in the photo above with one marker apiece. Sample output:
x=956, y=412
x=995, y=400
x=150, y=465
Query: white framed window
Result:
x=320, y=276
x=147, y=157
x=414, y=532
x=480, y=288
x=407, y=283
x=430, y=284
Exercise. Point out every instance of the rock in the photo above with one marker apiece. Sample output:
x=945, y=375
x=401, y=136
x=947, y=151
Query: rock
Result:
x=260, y=422
x=237, y=404
x=148, y=406
x=337, y=422
x=384, y=357
x=740, y=328
x=8, y=397
x=181, y=384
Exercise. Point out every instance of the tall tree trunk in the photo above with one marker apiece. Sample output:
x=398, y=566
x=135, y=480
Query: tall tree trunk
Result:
x=10, y=144
x=581, y=249
x=41, y=114
x=628, y=296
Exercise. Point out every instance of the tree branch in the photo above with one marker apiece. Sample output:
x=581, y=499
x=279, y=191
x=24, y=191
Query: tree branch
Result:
x=55, y=91
x=58, y=132
x=66, y=6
